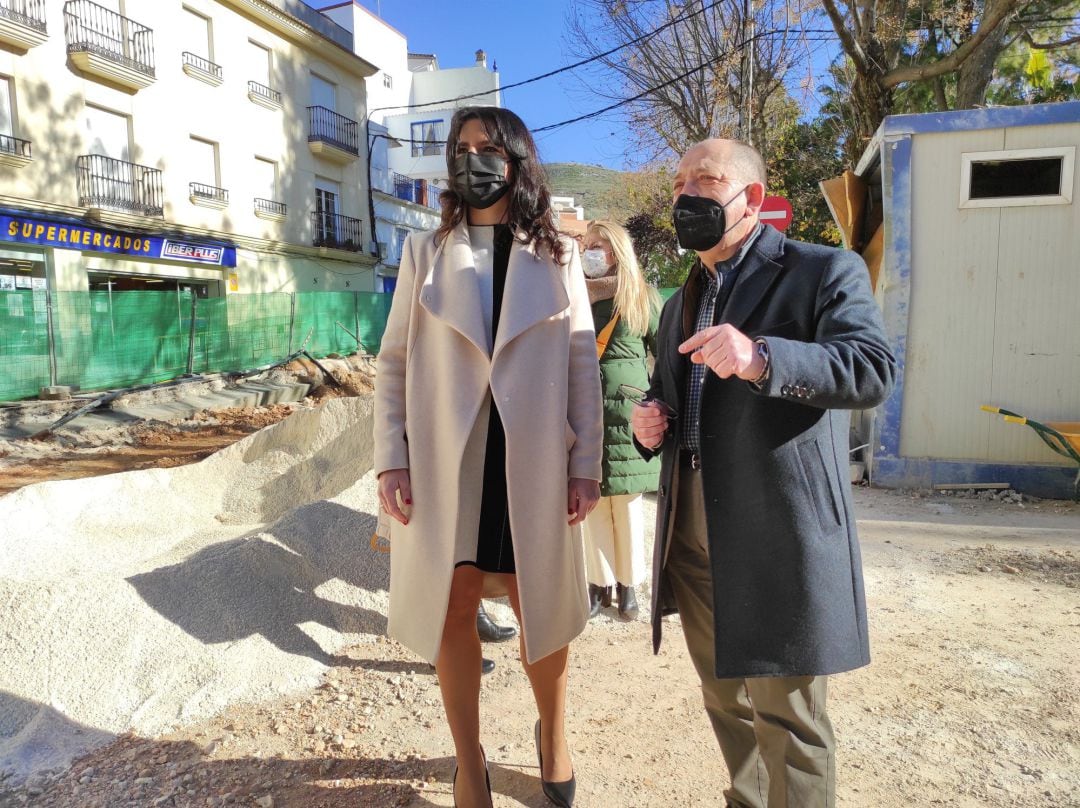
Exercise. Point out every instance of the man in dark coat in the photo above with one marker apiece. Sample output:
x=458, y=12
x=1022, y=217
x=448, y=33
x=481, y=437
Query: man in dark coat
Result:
x=760, y=356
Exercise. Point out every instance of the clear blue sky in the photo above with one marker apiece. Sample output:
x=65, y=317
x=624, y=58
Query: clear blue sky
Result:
x=524, y=38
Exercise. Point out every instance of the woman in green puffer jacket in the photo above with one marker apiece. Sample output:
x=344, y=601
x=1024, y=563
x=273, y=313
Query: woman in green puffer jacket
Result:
x=615, y=530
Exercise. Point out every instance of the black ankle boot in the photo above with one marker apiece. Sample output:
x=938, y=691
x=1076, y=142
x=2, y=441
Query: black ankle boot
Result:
x=490, y=631
x=596, y=597
x=628, y=606
x=486, y=666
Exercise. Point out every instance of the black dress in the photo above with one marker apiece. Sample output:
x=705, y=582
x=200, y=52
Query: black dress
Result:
x=494, y=547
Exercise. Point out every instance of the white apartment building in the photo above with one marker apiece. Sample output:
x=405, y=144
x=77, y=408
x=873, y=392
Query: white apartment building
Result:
x=211, y=144
x=410, y=103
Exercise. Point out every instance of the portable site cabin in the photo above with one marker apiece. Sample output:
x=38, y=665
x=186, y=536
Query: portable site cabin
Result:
x=970, y=224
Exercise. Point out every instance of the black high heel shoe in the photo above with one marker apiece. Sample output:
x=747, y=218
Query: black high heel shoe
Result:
x=561, y=794
x=487, y=777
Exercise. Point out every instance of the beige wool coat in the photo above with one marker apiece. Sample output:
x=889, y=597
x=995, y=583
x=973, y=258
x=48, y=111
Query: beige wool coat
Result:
x=437, y=376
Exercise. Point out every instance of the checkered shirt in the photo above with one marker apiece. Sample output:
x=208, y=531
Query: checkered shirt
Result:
x=717, y=289
x=691, y=433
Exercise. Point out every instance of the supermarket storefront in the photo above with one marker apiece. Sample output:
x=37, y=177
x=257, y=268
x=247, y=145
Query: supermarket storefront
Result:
x=39, y=251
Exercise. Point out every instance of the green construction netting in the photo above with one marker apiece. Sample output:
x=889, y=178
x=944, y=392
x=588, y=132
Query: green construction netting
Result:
x=104, y=340
x=24, y=343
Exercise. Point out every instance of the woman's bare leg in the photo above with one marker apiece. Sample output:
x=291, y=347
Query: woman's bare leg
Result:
x=548, y=679
x=458, y=668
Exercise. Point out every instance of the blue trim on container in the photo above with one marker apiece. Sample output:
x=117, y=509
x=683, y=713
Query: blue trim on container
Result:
x=975, y=119
x=1054, y=482
x=896, y=177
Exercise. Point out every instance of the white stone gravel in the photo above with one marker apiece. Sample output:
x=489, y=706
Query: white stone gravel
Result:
x=142, y=600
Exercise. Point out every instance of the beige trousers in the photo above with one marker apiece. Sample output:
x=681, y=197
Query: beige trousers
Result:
x=614, y=534
x=774, y=733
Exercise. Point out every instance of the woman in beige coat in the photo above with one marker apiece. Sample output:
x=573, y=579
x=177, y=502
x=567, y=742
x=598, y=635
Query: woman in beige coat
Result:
x=488, y=437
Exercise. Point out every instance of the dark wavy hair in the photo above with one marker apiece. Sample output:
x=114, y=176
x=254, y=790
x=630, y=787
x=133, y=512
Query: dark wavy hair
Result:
x=530, y=201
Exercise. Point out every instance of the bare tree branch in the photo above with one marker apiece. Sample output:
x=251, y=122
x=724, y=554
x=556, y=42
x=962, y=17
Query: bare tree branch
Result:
x=851, y=45
x=1048, y=45
x=704, y=50
x=953, y=60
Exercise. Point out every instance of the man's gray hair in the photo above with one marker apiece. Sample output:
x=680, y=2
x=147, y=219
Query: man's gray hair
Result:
x=749, y=163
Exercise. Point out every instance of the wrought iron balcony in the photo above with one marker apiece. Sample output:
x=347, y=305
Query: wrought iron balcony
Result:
x=22, y=23
x=208, y=195
x=332, y=135
x=269, y=209
x=404, y=187
x=200, y=68
x=106, y=44
x=337, y=231
x=416, y=191
x=266, y=96
x=105, y=182
x=14, y=151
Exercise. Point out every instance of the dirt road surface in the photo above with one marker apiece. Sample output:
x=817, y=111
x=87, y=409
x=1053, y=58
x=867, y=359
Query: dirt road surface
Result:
x=970, y=702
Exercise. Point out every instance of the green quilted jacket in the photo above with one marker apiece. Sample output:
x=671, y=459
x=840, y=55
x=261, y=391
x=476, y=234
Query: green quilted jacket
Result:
x=625, y=471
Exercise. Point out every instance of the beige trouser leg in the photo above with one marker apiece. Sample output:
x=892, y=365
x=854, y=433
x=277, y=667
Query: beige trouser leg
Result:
x=773, y=732
x=614, y=533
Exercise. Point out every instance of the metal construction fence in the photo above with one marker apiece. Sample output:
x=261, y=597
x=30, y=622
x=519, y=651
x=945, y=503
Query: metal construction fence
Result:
x=100, y=340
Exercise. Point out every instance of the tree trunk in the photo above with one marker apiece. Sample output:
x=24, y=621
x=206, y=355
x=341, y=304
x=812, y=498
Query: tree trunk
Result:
x=977, y=70
x=871, y=103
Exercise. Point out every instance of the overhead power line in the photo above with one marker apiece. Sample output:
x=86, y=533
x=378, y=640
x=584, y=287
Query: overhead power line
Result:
x=597, y=113
x=557, y=71
x=623, y=102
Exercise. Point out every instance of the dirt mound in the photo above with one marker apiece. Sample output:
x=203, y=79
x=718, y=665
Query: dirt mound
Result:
x=140, y=600
x=156, y=439
x=351, y=376
x=1047, y=566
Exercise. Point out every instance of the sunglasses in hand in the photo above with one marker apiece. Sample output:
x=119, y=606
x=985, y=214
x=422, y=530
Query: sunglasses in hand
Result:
x=639, y=396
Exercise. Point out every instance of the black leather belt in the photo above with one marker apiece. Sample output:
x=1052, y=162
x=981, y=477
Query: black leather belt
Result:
x=690, y=460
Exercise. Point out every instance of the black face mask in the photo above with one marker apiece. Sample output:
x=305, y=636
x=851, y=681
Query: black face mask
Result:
x=699, y=221
x=480, y=179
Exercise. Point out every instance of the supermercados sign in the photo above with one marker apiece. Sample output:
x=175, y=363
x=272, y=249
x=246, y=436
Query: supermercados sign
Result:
x=77, y=236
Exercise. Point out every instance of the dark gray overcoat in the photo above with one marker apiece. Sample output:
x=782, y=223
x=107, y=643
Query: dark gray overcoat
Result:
x=787, y=576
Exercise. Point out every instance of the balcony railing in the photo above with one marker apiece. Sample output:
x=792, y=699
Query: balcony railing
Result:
x=15, y=146
x=417, y=191
x=204, y=65
x=105, y=182
x=30, y=13
x=94, y=29
x=337, y=231
x=208, y=193
x=266, y=94
x=269, y=207
x=336, y=130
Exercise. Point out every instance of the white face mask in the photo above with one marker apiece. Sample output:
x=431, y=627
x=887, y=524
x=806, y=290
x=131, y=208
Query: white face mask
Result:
x=595, y=264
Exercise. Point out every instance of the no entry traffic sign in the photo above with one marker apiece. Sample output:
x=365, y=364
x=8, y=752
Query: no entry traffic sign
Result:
x=776, y=210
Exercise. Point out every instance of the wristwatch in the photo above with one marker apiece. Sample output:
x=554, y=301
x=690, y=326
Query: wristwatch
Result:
x=762, y=348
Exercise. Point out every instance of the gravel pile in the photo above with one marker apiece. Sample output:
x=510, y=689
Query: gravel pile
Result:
x=148, y=599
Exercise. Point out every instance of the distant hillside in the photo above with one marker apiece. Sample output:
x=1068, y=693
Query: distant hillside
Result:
x=591, y=186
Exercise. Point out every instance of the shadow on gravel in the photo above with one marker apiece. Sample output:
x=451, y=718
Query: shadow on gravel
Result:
x=265, y=583
x=130, y=770
x=140, y=771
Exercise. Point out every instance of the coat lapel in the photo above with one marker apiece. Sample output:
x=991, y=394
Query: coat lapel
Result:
x=534, y=292
x=759, y=269
x=451, y=292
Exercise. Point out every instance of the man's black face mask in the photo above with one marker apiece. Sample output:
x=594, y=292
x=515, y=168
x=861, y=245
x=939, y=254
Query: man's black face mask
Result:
x=480, y=179
x=700, y=222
